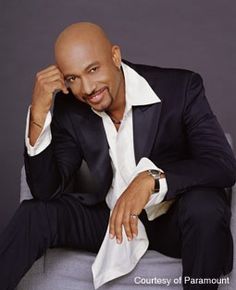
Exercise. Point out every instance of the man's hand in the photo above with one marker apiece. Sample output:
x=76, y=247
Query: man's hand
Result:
x=129, y=205
x=46, y=83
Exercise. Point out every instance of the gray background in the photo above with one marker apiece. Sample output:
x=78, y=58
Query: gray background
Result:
x=193, y=34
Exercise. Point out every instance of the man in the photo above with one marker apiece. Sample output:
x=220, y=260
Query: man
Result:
x=150, y=140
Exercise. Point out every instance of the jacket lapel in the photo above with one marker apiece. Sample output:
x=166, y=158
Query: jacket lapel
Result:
x=145, y=125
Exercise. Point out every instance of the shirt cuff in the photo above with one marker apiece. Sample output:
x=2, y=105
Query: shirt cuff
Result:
x=44, y=138
x=151, y=207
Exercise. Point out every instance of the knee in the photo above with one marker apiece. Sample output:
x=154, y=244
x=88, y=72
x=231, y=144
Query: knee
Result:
x=33, y=215
x=30, y=205
x=204, y=209
x=32, y=209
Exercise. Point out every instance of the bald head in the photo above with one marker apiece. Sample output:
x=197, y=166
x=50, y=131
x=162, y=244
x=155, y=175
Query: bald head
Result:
x=81, y=39
x=82, y=31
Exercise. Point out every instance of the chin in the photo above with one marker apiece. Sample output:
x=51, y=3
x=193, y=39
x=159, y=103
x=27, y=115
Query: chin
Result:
x=99, y=108
x=102, y=107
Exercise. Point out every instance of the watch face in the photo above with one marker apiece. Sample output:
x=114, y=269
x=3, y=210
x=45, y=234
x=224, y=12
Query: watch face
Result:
x=155, y=173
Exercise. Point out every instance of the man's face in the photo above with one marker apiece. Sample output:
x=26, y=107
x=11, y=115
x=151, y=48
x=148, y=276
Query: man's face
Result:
x=93, y=75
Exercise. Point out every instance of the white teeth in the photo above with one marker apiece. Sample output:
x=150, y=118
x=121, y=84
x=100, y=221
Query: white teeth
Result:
x=97, y=98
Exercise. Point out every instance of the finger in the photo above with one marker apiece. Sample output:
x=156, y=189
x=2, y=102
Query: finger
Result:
x=52, y=78
x=126, y=223
x=58, y=77
x=118, y=225
x=61, y=86
x=48, y=69
x=134, y=225
x=44, y=76
x=57, y=85
x=112, y=223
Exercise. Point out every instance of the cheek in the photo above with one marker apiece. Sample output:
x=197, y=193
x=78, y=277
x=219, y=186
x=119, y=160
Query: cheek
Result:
x=74, y=87
x=115, y=84
x=101, y=78
x=75, y=91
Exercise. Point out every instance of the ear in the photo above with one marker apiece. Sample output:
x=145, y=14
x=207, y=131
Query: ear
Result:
x=116, y=56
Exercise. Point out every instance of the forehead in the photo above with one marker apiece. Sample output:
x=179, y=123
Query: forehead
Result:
x=77, y=57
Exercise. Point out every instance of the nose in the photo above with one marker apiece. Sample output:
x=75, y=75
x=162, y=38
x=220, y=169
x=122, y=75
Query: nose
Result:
x=87, y=86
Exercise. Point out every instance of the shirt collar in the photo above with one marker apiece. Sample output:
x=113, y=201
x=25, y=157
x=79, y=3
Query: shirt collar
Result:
x=137, y=90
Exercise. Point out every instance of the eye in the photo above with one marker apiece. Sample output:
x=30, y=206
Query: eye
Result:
x=93, y=69
x=71, y=79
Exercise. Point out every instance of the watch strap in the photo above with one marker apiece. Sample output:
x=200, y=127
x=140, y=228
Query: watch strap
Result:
x=156, y=174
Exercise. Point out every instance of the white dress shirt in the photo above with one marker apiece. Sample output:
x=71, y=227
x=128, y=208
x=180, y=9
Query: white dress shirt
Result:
x=114, y=260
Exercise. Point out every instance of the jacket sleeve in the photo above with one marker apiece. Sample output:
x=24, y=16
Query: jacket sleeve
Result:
x=49, y=173
x=211, y=161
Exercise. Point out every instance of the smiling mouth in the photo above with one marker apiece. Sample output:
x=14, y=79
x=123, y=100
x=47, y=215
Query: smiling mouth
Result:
x=97, y=97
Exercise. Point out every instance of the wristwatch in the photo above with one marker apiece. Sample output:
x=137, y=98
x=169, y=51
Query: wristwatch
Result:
x=156, y=174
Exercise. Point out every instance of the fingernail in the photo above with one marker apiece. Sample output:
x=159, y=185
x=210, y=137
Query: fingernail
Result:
x=118, y=241
x=111, y=236
x=129, y=239
x=134, y=235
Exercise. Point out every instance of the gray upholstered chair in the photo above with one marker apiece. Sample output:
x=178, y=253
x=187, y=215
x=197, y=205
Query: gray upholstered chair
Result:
x=65, y=269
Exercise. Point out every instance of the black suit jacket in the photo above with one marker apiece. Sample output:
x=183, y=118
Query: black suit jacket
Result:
x=181, y=135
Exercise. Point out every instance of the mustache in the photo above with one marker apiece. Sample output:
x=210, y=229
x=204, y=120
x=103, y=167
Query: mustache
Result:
x=94, y=93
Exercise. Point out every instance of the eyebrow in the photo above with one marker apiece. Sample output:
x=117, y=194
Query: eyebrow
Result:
x=91, y=65
x=87, y=68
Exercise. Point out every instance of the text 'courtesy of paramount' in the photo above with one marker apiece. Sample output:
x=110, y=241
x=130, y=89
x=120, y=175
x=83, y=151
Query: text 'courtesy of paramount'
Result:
x=138, y=280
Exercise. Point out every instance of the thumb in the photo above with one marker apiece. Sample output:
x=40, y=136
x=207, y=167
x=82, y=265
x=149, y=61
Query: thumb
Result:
x=65, y=90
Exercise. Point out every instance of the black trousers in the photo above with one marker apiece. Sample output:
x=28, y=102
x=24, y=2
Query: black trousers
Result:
x=196, y=228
